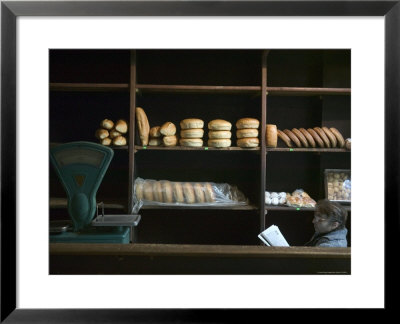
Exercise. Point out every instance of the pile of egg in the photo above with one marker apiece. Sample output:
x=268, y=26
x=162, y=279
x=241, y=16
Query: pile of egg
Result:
x=275, y=198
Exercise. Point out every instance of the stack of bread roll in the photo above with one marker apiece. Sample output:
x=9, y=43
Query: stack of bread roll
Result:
x=112, y=133
x=247, y=132
x=155, y=137
x=323, y=137
x=219, y=133
x=191, y=132
x=168, y=133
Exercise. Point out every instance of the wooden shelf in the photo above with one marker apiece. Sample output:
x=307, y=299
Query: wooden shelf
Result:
x=294, y=209
x=197, y=88
x=246, y=207
x=114, y=147
x=186, y=148
x=305, y=91
x=306, y=149
x=90, y=87
x=108, y=203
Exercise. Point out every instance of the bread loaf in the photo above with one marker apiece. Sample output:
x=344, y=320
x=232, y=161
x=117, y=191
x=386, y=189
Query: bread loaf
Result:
x=247, y=123
x=246, y=132
x=121, y=126
x=106, y=141
x=155, y=132
x=101, y=133
x=191, y=123
x=219, y=142
x=119, y=141
x=219, y=125
x=271, y=135
x=219, y=134
x=107, y=124
x=143, y=126
x=156, y=141
x=248, y=142
x=168, y=129
x=170, y=140
x=114, y=133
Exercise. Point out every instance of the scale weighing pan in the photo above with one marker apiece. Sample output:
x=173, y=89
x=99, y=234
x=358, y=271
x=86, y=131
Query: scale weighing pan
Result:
x=81, y=167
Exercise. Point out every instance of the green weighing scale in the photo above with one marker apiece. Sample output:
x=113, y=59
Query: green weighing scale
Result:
x=81, y=167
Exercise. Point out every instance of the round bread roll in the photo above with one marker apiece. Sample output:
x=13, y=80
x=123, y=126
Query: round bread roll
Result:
x=178, y=192
x=114, y=133
x=246, y=132
x=199, y=193
x=155, y=132
x=209, y=192
x=292, y=137
x=321, y=134
x=286, y=139
x=247, y=123
x=139, y=190
x=219, y=125
x=219, y=134
x=339, y=137
x=191, y=123
x=300, y=136
x=106, y=141
x=219, y=142
x=347, y=143
x=188, y=193
x=155, y=141
x=271, y=135
x=107, y=124
x=330, y=135
x=168, y=129
x=193, y=142
x=308, y=136
x=316, y=137
x=248, y=142
x=121, y=126
x=167, y=191
x=119, y=141
x=101, y=133
x=143, y=126
x=192, y=133
x=170, y=140
x=157, y=191
x=148, y=190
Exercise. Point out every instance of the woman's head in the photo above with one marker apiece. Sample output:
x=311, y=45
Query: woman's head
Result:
x=329, y=216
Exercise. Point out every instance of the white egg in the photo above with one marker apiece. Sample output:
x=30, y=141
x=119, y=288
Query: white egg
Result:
x=275, y=201
x=274, y=195
x=268, y=200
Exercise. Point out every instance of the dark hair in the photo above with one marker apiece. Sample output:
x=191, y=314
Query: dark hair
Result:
x=333, y=211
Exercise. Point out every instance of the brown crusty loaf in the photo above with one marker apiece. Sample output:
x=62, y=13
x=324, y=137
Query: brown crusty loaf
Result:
x=316, y=137
x=143, y=126
x=119, y=141
x=286, y=139
x=248, y=142
x=106, y=141
x=101, y=133
x=271, y=135
x=292, y=137
x=170, y=140
x=155, y=141
x=323, y=136
x=246, y=132
x=114, y=133
x=339, y=137
x=155, y=132
x=247, y=123
x=168, y=129
x=219, y=125
x=300, y=136
x=191, y=123
x=121, y=126
x=308, y=136
x=330, y=135
x=107, y=124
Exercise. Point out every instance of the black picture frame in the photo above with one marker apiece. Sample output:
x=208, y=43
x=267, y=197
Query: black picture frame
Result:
x=10, y=10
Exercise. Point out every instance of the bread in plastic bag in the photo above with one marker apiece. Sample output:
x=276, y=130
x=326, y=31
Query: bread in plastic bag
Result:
x=300, y=198
x=150, y=192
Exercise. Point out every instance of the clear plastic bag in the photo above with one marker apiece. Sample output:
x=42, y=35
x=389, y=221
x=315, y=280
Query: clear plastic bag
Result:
x=300, y=198
x=149, y=192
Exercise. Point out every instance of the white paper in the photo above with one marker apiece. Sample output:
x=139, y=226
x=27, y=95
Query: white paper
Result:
x=273, y=236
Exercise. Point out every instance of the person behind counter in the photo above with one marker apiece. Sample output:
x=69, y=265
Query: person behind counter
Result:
x=329, y=224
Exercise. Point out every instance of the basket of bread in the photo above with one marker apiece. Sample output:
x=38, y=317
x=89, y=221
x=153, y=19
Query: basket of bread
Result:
x=150, y=192
x=338, y=185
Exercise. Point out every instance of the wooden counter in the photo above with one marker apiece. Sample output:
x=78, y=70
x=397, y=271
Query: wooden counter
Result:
x=195, y=259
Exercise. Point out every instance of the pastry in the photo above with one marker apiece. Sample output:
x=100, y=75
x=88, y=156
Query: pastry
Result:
x=339, y=136
x=247, y=123
x=321, y=134
x=143, y=126
x=219, y=124
x=331, y=136
x=293, y=137
x=308, y=136
x=284, y=138
x=300, y=136
x=316, y=137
